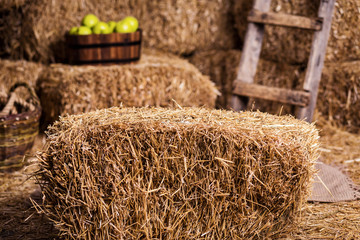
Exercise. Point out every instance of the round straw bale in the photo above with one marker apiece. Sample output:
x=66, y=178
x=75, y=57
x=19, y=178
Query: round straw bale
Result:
x=339, y=95
x=156, y=80
x=222, y=66
x=179, y=27
x=293, y=45
x=189, y=173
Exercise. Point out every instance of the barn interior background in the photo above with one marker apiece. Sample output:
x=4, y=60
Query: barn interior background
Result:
x=189, y=58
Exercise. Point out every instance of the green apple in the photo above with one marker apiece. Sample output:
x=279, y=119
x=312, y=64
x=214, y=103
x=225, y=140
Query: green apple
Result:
x=133, y=22
x=123, y=27
x=112, y=25
x=73, y=31
x=101, y=28
x=83, y=30
x=90, y=20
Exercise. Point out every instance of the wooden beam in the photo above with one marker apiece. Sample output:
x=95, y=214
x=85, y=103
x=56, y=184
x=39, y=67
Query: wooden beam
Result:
x=298, y=98
x=250, y=54
x=316, y=59
x=285, y=20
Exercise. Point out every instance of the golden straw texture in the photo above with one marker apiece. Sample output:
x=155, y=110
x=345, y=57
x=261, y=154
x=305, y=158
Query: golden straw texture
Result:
x=185, y=173
x=156, y=80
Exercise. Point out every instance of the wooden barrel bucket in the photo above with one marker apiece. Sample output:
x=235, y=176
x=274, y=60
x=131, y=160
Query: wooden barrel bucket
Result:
x=102, y=49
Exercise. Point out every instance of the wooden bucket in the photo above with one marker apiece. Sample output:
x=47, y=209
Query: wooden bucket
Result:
x=18, y=132
x=104, y=48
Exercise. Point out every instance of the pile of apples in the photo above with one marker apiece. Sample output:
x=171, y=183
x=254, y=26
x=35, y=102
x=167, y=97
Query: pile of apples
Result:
x=91, y=24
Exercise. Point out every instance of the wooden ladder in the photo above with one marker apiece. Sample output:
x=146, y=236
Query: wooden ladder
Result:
x=243, y=86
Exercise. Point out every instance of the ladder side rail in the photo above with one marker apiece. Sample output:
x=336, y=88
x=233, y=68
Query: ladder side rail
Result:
x=250, y=55
x=316, y=59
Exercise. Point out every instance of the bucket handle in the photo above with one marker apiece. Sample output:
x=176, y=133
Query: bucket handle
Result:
x=12, y=98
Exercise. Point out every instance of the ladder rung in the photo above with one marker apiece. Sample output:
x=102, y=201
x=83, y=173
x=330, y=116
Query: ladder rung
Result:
x=286, y=20
x=294, y=97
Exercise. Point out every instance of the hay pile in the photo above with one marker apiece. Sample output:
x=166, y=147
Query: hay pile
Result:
x=222, y=66
x=179, y=27
x=293, y=45
x=191, y=173
x=339, y=95
x=156, y=80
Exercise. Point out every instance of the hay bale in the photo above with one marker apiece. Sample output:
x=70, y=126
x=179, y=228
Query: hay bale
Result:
x=339, y=97
x=179, y=27
x=12, y=72
x=222, y=66
x=191, y=173
x=293, y=45
x=156, y=80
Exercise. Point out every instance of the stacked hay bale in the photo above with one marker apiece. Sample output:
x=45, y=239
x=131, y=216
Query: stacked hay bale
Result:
x=12, y=72
x=338, y=98
x=171, y=174
x=339, y=95
x=156, y=80
x=293, y=45
x=284, y=58
x=179, y=27
x=222, y=66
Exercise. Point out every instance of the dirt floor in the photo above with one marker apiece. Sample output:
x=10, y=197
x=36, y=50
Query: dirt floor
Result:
x=19, y=220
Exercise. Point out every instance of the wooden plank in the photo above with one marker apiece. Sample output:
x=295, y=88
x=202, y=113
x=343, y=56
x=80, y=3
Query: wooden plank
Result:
x=316, y=59
x=286, y=20
x=250, y=54
x=299, y=98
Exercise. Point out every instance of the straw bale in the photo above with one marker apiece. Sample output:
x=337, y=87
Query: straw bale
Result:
x=339, y=95
x=222, y=66
x=189, y=173
x=156, y=80
x=318, y=221
x=18, y=71
x=179, y=27
x=293, y=45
